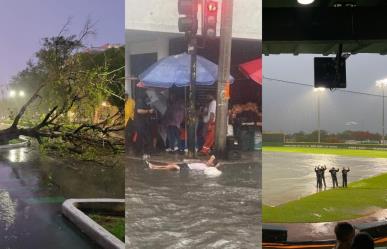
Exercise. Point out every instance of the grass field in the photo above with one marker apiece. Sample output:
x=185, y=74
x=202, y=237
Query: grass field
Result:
x=329, y=151
x=361, y=198
x=115, y=225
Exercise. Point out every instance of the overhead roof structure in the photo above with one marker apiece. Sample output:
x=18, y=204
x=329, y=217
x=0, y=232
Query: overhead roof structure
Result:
x=319, y=28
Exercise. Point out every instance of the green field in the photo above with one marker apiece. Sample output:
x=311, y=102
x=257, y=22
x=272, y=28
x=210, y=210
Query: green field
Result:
x=329, y=151
x=361, y=198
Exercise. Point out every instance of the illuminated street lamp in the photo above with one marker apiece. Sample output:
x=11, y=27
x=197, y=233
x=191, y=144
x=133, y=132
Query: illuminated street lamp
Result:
x=12, y=93
x=22, y=93
x=382, y=83
x=305, y=1
x=318, y=90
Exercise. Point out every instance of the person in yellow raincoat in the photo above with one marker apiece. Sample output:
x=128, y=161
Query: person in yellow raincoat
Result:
x=129, y=116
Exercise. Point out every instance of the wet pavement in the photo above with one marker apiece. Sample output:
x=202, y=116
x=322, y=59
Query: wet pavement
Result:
x=190, y=210
x=289, y=176
x=32, y=189
x=325, y=230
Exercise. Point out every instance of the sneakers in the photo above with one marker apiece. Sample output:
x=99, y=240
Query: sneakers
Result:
x=147, y=164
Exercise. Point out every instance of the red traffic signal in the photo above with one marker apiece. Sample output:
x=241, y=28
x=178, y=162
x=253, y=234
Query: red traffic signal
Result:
x=210, y=17
x=212, y=6
x=188, y=16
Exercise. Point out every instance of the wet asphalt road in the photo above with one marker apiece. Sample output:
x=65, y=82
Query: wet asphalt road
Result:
x=32, y=190
x=189, y=210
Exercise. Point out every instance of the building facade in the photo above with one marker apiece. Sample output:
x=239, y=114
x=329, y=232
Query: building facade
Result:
x=151, y=32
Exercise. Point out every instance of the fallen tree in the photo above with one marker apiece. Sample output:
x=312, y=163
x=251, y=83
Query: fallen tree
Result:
x=63, y=85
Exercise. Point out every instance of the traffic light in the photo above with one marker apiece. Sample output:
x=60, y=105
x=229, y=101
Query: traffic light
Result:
x=210, y=17
x=188, y=20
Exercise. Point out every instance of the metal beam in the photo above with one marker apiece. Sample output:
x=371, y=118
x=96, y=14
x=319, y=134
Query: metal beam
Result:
x=314, y=24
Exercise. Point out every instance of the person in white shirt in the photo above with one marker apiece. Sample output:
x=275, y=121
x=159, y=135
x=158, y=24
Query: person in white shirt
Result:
x=198, y=166
x=209, y=123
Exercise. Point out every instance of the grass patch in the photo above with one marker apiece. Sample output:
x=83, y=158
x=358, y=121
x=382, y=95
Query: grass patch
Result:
x=328, y=151
x=16, y=141
x=360, y=198
x=115, y=225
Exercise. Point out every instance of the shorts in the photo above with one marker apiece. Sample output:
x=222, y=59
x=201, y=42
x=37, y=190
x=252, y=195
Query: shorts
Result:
x=183, y=166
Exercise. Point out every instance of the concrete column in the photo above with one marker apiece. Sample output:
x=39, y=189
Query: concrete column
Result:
x=162, y=47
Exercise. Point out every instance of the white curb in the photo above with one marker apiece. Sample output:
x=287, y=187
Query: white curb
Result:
x=95, y=231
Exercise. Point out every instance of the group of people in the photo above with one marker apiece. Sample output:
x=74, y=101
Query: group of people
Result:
x=320, y=176
x=156, y=127
x=346, y=238
x=161, y=126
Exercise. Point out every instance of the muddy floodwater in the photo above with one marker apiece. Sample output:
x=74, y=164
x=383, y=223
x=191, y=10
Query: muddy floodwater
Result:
x=32, y=189
x=190, y=210
x=289, y=176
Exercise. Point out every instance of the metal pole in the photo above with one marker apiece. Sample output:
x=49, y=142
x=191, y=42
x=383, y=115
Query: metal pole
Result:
x=223, y=76
x=383, y=116
x=191, y=113
x=318, y=117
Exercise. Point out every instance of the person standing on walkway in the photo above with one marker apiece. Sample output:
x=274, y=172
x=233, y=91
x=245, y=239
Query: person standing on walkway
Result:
x=129, y=117
x=142, y=121
x=173, y=118
x=318, y=177
x=333, y=172
x=323, y=168
x=209, y=123
x=344, y=172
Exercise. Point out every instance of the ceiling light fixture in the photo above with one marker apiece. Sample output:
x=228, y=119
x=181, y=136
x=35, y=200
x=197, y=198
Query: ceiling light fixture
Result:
x=305, y=1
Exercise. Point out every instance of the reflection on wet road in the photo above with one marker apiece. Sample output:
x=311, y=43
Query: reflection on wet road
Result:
x=176, y=210
x=32, y=190
x=289, y=176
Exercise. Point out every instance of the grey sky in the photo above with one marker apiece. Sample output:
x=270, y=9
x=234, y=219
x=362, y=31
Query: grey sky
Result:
x=23, y=23
x=293, y=108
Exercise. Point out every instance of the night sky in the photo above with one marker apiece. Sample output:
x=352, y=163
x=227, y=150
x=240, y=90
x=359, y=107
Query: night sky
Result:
x=23, y=24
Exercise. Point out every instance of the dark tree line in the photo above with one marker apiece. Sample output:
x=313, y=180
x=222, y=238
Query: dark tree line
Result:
x=338, y=137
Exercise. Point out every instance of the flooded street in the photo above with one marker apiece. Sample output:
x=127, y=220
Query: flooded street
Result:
x=289, y=176
x=191, y=210
x=32, y=189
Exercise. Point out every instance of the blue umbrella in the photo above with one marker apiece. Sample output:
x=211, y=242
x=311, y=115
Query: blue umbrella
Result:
x=175, y=70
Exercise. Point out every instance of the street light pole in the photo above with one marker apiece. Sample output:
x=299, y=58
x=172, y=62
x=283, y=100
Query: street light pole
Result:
x=318, y=118
x=382, y=84
x=318, y=90
x=383, y=115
